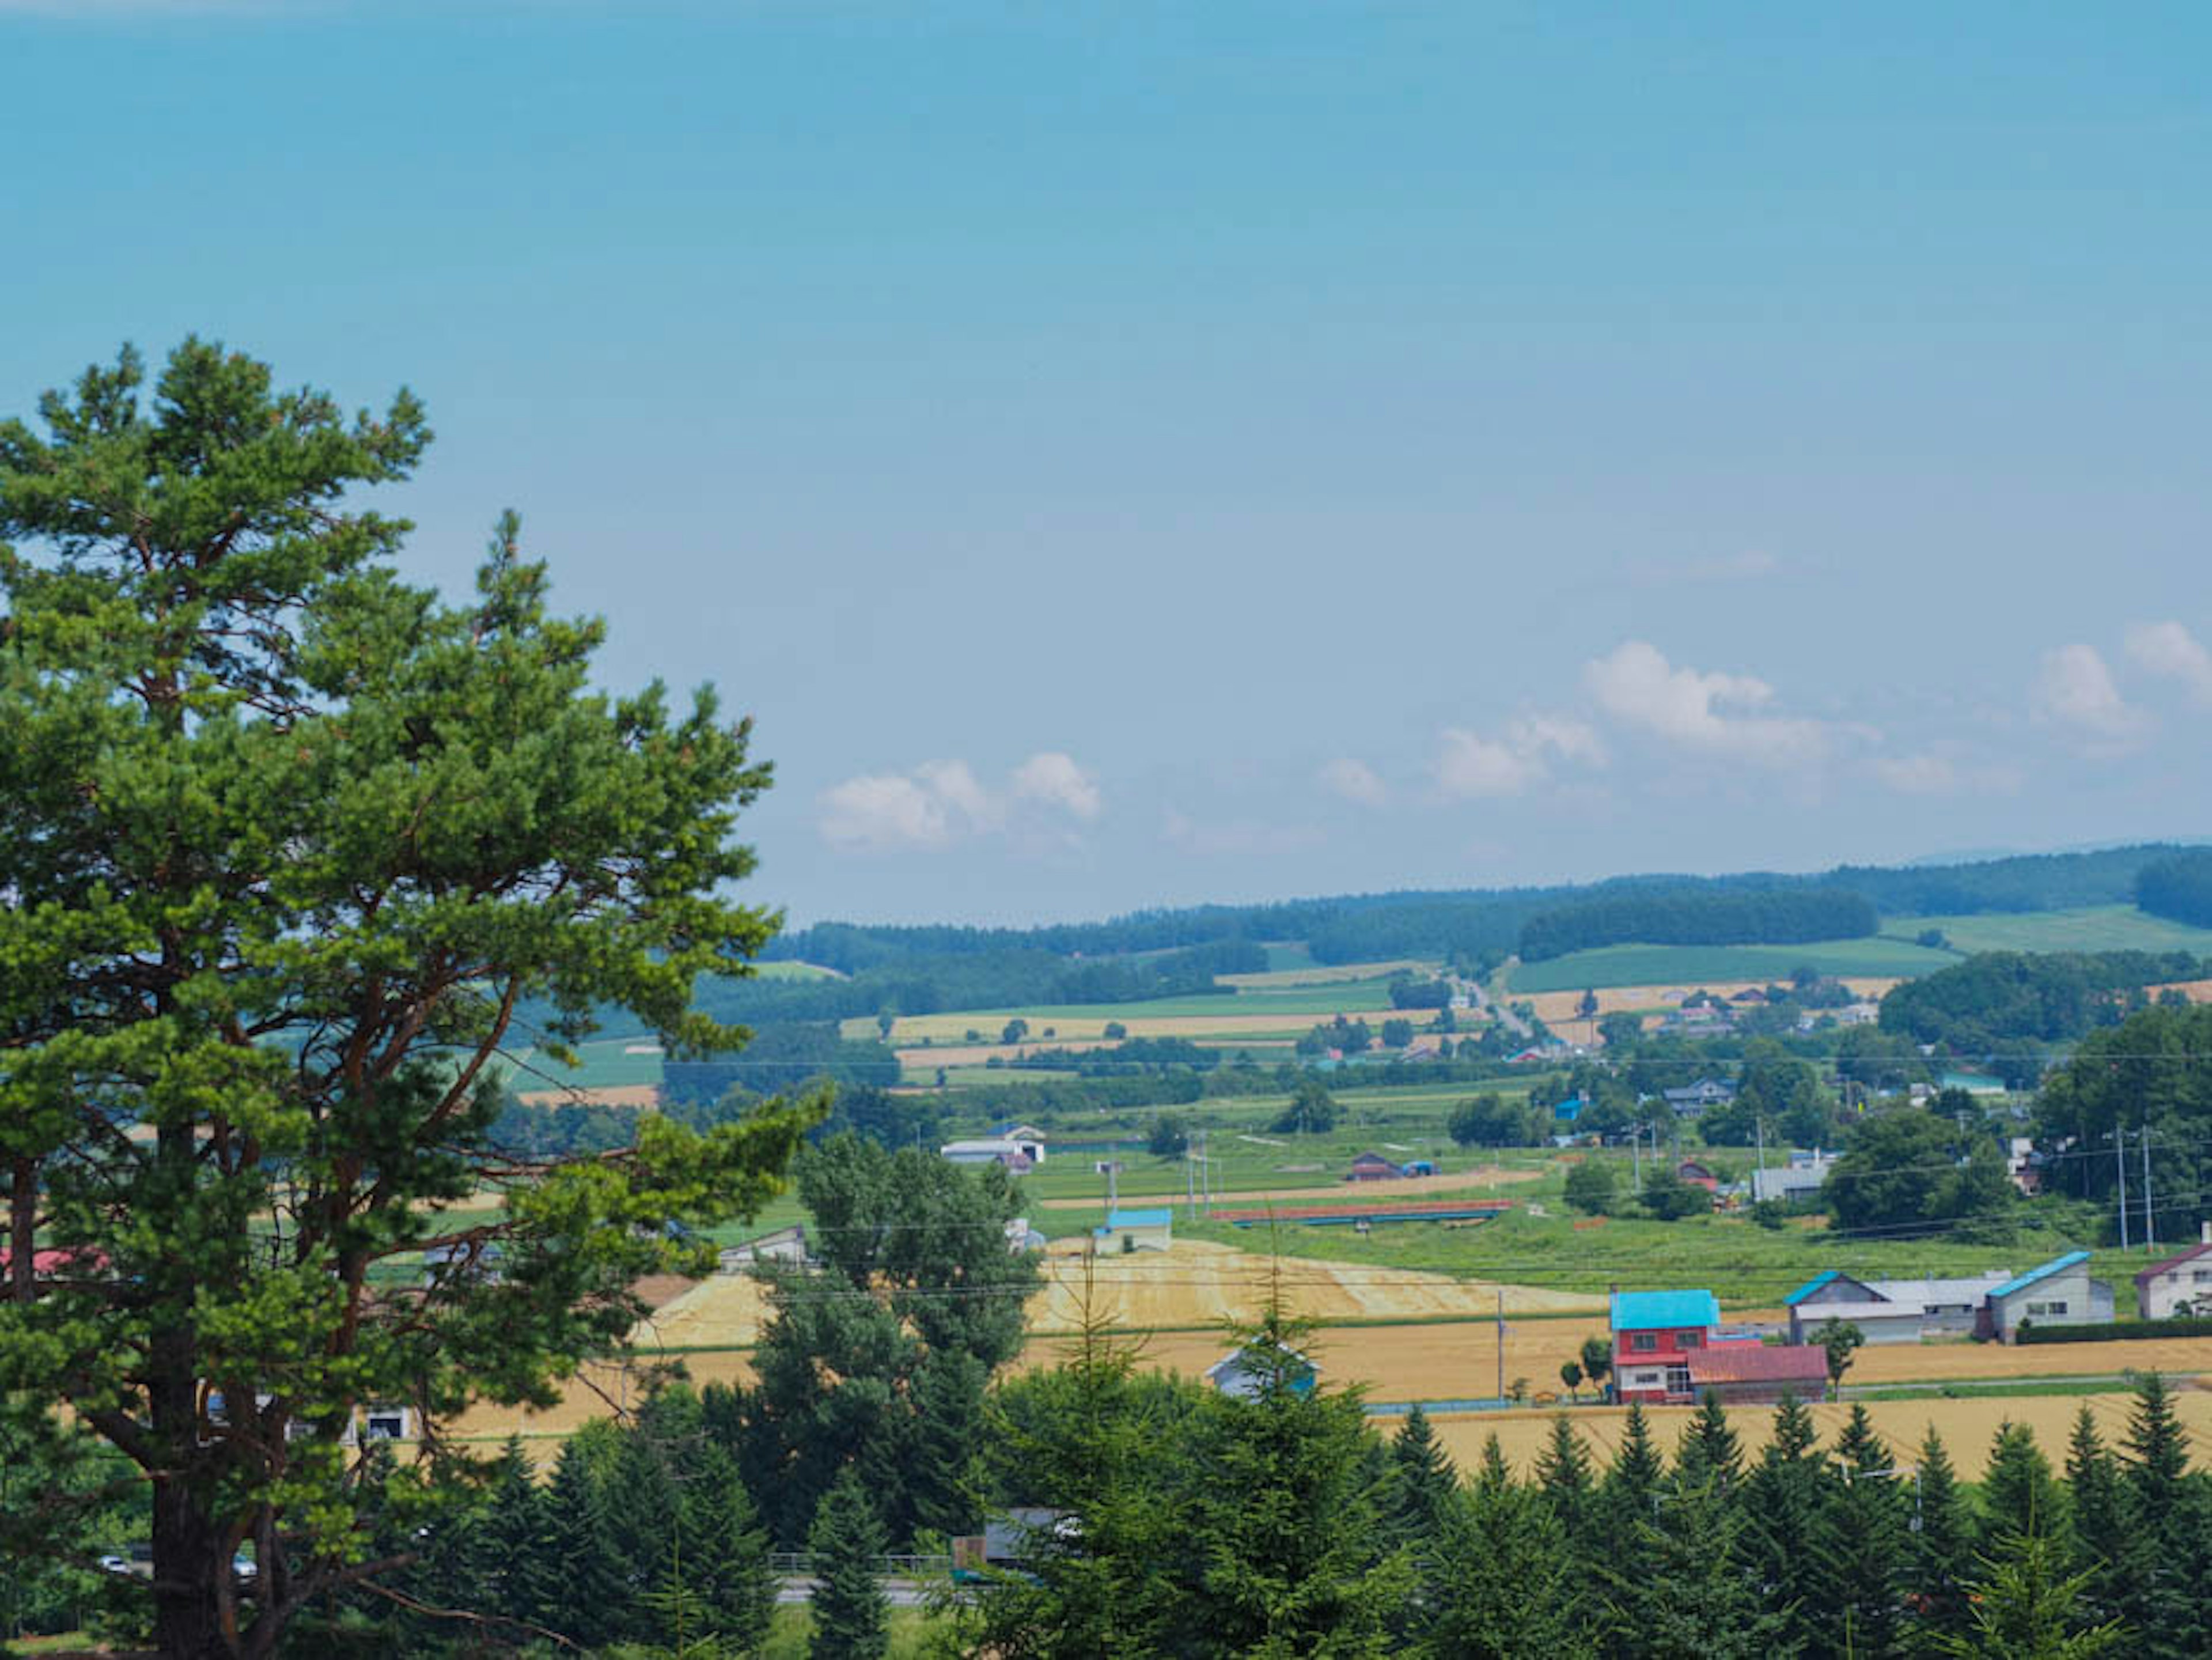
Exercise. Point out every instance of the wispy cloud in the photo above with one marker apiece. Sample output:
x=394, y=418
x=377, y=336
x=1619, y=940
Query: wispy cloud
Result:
x=940, y=803
x=2073, y=691
x=1717, y=714
x=1469, y=763
x=1354, y=781
x=2169, y=650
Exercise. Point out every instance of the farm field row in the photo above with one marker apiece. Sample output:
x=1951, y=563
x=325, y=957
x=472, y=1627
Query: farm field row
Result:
x=1968, y=1427
x=1672, y=965
x=2093, y=927
x=1563, y=1009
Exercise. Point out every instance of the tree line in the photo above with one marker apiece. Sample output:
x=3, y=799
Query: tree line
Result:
x=1698, y=917
x=2178, y=888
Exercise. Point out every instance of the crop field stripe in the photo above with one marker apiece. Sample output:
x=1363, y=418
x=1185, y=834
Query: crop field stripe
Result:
x=1608, y=966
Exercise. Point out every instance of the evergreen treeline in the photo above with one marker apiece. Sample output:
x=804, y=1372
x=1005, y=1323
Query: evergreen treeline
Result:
x=1169, y=1519
x=1698, y=917
x=2005, y=1003
x=2179, y=889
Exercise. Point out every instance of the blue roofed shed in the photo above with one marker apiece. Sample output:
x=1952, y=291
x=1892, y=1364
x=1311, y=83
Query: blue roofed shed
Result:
x=2058, y=1294
x=1137, y=1229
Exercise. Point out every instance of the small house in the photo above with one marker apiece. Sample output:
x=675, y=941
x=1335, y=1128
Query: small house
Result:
x=1029, y=1139
x=1567, y=1111
x=1245, y=1375
x=787, y=1245
x=1137, y=1229
x=1691, y=1099
x=1015, y=1156
x=1801, y=1179
x=1698, y=1176
x=2181, y=1285
x=2058, y=1294
x=1891, y=1311
x=1022, y=1239
x=1374, y=1167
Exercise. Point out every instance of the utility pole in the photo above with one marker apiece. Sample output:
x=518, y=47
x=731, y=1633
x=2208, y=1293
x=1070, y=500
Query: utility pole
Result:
x=1189, y=1180
x=2120, y=1170
x=1635, y=1158
x=1501, y=1342
x=2150, y=1229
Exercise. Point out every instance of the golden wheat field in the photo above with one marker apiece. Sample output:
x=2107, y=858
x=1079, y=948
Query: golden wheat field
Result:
x=1343, y=1192
x=1563, y=1008
x=1968, y=1426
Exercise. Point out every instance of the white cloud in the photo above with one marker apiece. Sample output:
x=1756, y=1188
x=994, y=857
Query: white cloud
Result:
x=1355, y=780
x=2074, y=689
x=1469, y=764
x=1718, y=713
x=1055, y=779
x=938, y=803
x=2170, y=650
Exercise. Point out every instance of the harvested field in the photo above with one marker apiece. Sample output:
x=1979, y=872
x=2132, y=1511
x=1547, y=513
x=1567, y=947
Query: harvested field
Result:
x=1968, y=1426
x=1199, y=1283
x=1324, y=974
x=616, y=1095
x=1490, y=1176
x=729, y=1309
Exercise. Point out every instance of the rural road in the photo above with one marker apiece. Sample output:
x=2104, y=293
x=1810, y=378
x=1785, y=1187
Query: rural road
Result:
x=899, y=1593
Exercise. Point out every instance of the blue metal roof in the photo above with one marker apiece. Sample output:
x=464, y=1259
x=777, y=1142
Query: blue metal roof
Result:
x=2055, y=1265
x=1645, y=1311
x=1810, y=1286
x=1141, y=1218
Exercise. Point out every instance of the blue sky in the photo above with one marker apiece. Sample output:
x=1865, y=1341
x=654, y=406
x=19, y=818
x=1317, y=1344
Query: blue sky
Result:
x=1136, y=455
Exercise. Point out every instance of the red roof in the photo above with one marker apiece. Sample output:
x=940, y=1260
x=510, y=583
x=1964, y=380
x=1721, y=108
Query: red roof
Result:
x=1769, y=1363
x=2157, y=1269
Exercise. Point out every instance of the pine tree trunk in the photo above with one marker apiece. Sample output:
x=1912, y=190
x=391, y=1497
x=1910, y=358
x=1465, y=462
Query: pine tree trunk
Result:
x=189, y=1562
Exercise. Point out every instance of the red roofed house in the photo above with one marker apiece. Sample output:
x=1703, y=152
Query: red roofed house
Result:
x=2179, y=1285
x=1698, y=1176
x=46, y=1264
x=1746, y=1375
x=1669, y=1347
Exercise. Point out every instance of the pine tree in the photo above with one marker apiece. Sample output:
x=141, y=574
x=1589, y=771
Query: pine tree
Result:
x=1493, y=1474
x=1859, y=1544
x=2102, y=1545
x=594, y=1601
x=1697, y=1602
x=1507, y=1587
x=1781, y=1503
x=725, y=1557
x=851, y=1617
x=2163, y=1509
x=2158, y=1461
x=516, y=1541
x=2018, y=1494
x=1563, y=1474
x=1710, y=1454
x=1423, y=1485
x=639, y=1491
x=2024, y=1608
x=1943, y=1548
x=943, y=1465
x=1638, y=1469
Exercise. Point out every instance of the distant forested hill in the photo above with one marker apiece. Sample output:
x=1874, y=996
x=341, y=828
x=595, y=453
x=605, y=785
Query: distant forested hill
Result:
x=1708, y=915
x=2179, y=889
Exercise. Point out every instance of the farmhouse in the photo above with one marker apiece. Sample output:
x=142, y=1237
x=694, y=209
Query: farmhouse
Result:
x=1137, y=1229
x=1692, y=1099
x=784, y=1245
x=1374, y=1167
x=2058, y=1294
x=2179, y=1285
x=1760, y=1374
x=1891, y=1310
x=1656, y=1335
x=1698, y=1176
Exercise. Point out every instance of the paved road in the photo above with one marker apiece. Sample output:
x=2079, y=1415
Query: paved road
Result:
x=899, y=1593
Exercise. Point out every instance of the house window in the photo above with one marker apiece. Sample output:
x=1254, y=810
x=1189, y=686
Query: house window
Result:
x=385, y=1425
x=1677, y=1380
x=2034, y=1309
x=2199, y=1276
x=1643, y=1342
x=1690, y=1339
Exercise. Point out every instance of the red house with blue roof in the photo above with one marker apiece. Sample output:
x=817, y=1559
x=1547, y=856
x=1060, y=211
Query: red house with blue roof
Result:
x=1670, y=1347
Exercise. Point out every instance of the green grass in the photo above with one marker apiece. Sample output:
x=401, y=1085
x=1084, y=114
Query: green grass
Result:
x=911, y=1630
x=603, y=1066
x=1692, y=965
x=1292, y=954
x=2094, y=927
x=1746, y=1265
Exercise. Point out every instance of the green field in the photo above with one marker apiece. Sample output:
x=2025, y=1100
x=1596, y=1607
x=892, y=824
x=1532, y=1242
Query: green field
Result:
x=1878, y=957
x=605, y=1065
x=783, y=969
x=2098, y=928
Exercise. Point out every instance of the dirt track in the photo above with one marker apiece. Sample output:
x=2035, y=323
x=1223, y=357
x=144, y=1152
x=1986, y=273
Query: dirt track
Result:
x=1348, y=1193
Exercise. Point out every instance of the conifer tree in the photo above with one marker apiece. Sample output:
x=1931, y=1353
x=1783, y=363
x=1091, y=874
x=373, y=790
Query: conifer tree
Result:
x=1424, y=1486
x=1492, y=1474
x=724, y=1557
x=593, y=1604
x=2158, y=1461
x=2167, y=1514
x=2018, y=1494
x=1710, y=1454
x=851, y=1617
x=1943, y=1548
x=2024, y=1607
x=1698, y=1603
x=515, y=1545
x=944, y=1465
x=1507, y=1587
x=1563, y=1474
x=2102, y=1543
x=1781, y=1506
x=1859, y=1544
